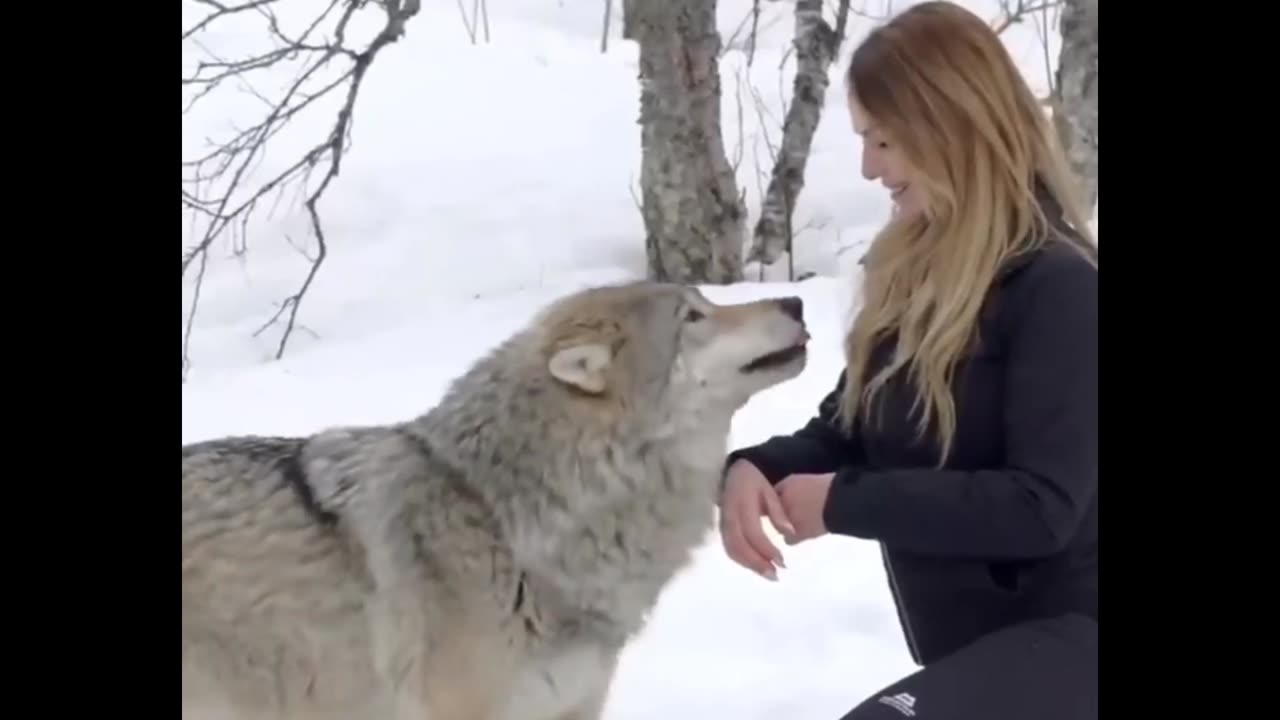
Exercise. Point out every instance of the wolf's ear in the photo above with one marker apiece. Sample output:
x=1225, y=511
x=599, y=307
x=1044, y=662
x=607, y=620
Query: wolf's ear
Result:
x=582, y=366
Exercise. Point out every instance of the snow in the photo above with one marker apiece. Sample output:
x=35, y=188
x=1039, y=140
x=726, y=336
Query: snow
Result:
x=485, y=180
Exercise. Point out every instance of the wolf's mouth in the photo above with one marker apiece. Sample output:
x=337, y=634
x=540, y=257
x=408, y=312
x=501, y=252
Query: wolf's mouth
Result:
x=775, y=359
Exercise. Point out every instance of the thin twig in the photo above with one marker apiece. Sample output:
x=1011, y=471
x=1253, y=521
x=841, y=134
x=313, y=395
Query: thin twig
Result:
x=862, y=12
x=755, y=29
x=1015, y=11
x=191, y=317
x=229, y=163
x=468, y=23
x=604, y=32
x=739, y=147
x=842, y=25
x=1042, y=32
x=221, y=10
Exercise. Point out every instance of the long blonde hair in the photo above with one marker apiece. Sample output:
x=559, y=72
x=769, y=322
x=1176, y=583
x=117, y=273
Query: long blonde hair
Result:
x=940, y=83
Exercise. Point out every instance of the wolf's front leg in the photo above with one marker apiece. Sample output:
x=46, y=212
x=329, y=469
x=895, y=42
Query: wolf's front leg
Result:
x=569, y=682
x=442, y=664
x=468, y=671
x=466, y=678
x=597, y=691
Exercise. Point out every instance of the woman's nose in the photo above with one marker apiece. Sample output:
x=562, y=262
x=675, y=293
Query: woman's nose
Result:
x=870, y=168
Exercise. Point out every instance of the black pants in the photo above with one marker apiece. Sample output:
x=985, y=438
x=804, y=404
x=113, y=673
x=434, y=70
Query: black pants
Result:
x=1043, y=670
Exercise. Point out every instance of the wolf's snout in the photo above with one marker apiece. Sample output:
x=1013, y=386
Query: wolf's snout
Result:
x=793, y=307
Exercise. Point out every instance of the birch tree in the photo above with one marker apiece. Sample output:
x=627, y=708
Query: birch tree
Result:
x=693, y=214
x=816, y=44
x=1076, y=104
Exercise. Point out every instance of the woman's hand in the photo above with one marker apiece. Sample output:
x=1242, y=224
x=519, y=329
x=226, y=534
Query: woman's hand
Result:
x=804, y=496
x=748, y=497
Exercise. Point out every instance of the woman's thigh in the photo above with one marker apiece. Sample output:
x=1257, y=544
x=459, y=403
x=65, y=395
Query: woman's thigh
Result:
x=1042, y=670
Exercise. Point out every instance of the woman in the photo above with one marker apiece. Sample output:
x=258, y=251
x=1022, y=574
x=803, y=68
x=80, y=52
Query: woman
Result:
x=962, y=434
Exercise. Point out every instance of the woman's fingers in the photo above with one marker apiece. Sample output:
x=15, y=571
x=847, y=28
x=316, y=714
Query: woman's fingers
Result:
x=742, y=529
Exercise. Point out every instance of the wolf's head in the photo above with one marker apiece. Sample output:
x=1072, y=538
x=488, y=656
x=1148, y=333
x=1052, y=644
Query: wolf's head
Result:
x=658, y=342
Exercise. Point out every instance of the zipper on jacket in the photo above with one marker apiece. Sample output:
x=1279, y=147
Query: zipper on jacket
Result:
x=902, y=610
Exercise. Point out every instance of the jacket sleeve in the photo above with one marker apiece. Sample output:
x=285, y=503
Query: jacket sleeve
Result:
x=820, y=446
x=1032, y=505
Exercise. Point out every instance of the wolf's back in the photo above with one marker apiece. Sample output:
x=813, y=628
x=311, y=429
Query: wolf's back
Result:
x=252, y=535
x=273, y=596
x=230, y=476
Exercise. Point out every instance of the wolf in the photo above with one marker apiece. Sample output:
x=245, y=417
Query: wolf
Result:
x=491, y=558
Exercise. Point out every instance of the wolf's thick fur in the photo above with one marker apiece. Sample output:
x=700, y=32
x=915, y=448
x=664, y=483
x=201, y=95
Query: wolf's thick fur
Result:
x=489, y=559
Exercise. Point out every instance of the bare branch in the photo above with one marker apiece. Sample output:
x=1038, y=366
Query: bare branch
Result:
x=467, y=22
x=186, y=333
x=755, y=30
x=479, y=13
x=220, y=10
x=761, y=110
x=604, y=32
x=1042, y=26
x=214, y=184
x=740, y=146
x=748, y=45
x=842, y=26
x=862, y=12
x=1015, y=11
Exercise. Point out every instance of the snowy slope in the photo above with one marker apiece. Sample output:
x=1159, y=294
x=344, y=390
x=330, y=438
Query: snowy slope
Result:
x=485, y=180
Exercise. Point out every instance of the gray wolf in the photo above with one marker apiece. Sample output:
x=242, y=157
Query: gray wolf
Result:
x=489, y=559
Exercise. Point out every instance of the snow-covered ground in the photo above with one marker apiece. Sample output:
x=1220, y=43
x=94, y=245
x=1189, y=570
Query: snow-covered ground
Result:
x=486, y=179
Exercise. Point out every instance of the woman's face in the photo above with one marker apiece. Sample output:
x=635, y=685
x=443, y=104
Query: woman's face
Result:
x=883, y=161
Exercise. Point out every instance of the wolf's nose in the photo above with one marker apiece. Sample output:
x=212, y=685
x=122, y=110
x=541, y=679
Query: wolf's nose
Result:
x=793, y=307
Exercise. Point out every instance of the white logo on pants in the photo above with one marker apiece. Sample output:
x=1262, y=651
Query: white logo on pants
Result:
x=902, y=702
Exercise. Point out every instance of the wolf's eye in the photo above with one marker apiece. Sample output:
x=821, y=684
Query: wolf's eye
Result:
x=693, y=316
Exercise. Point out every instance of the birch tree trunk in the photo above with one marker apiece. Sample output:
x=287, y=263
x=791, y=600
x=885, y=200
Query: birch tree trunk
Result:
x=693, y=214
x=1076, y=110
x=816, y=45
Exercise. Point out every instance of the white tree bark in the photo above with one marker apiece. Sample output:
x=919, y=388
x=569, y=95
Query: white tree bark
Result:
x=693, y=214
x=1076, y=111
x=816, y=45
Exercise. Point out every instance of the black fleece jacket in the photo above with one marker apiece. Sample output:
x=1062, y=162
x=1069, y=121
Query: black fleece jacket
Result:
x=1007, y=529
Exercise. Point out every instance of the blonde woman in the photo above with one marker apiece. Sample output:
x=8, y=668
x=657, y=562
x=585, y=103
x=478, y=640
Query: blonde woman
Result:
x=962, y=435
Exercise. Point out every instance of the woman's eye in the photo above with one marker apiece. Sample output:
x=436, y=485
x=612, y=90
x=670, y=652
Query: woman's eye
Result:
x=693, y=316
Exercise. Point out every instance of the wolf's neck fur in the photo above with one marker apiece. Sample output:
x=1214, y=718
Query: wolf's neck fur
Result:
x=601, y=500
